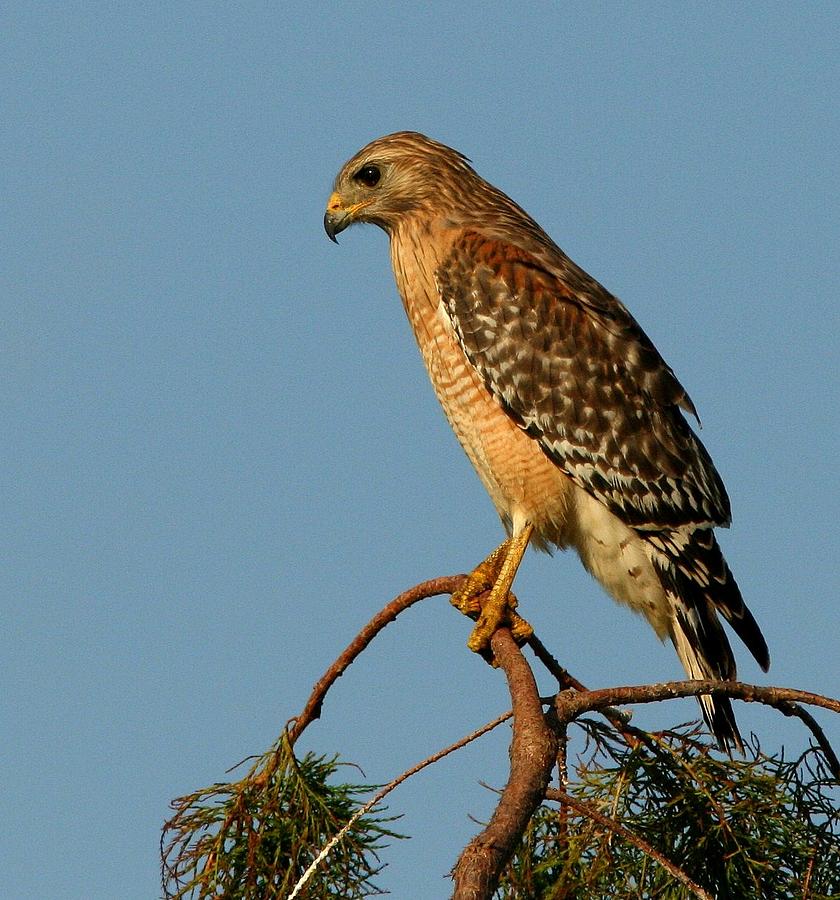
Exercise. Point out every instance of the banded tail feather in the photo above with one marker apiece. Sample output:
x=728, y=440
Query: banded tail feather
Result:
x=700, y=585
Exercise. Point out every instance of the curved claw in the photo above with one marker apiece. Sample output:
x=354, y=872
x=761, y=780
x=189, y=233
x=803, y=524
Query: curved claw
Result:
x=478, y=582
x=495, y=575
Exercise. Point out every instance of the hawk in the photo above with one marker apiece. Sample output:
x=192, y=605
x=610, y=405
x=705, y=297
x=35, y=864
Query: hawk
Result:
x=573, y=421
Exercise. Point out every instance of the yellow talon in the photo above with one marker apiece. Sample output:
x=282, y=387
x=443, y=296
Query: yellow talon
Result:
x=495, y=574
x=479, y=581
x=519, y=628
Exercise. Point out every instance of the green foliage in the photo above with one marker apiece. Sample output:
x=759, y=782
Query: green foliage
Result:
x=254, y=838
x=759, y=827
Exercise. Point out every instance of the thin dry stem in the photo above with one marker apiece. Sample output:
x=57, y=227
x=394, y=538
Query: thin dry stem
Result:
x=570, y=705
x=618, y=717
x=422, y=591
x=384, y=791
x=617, y=828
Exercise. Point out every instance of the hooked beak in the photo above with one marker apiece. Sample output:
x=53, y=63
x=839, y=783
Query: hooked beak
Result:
x=336, y=218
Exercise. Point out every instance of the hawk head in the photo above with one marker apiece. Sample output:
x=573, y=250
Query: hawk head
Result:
x=394, y=177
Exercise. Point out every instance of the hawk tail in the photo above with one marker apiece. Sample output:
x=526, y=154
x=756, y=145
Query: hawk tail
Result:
x=705, y=654
x=700, y=585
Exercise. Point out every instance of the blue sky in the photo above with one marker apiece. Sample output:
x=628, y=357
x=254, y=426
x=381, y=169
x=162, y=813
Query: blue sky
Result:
x=221, y=452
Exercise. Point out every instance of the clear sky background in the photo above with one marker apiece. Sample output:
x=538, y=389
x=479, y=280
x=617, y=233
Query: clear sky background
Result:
x=221, y=455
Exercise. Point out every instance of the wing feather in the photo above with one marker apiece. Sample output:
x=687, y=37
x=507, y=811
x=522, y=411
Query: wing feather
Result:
x=574, y=369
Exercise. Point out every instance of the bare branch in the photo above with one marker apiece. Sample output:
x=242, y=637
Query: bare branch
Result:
x=570, y=705
x=616, y=827
x=794, y=709
x=575, y=704
x=566, y=680
x=312, y=710
x=533, y=753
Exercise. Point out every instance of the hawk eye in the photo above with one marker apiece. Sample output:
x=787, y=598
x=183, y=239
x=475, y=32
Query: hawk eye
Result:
x=368, y=175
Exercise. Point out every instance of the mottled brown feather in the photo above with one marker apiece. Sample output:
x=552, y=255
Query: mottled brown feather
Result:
x=590, y=388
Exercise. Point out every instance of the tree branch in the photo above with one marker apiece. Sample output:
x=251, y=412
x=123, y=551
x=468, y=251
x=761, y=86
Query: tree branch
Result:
x=533, y=750
x=446, y=584
x=570, y=704
x=532, y=756
x=616, y=827
x=588, y=701
x=312, y=710
x=794, y=709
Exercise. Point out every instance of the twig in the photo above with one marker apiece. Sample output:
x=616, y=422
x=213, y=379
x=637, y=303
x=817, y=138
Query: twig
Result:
x=565, y=679
x=606, y=822
x=650, y=693
x=570, y=705
x=806, y=885
x=559, y=890
x=532, y=755
x=794, y=709
x=618, y=718
x=312, y=710
x=384, y=791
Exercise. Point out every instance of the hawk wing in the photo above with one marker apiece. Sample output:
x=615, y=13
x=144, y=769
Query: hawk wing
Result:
x=574, y=369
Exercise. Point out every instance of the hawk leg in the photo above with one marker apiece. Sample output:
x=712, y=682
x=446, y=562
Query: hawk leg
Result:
x=495, y=574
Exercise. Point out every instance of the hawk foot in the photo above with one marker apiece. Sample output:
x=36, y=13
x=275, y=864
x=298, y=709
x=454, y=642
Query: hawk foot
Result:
x=497, y=615
x=478, y=582
x=495, y=575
